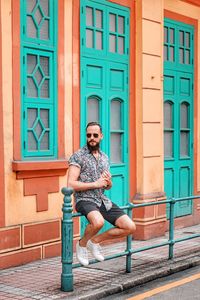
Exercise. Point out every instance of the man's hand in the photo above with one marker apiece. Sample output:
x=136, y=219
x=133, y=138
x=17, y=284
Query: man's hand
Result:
x=106, y=174
x=101, y=183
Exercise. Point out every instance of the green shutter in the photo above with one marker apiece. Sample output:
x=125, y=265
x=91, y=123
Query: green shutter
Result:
x=39, y=79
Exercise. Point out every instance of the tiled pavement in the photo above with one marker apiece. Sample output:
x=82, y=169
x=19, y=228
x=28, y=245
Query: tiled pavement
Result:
x=41, y=279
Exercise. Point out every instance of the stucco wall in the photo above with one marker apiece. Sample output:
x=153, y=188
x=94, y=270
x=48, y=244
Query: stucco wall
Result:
x=149, y=97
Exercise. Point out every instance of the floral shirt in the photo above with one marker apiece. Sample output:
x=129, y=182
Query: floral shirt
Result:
x=90, y=171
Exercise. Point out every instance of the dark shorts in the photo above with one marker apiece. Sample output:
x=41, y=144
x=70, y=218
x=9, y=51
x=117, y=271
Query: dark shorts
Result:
x=84, y=207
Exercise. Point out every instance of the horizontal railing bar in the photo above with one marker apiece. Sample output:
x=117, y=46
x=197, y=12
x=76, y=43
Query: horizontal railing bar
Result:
x=150, y=247
x=186, y=198
x=93, y=261
x=131, y=205
x=187, y=238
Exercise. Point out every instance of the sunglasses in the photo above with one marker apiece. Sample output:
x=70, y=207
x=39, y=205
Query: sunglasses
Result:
x=95, y=135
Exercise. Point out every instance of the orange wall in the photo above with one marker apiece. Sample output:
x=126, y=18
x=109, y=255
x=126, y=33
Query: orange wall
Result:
x=2, y=187
x=149, y=136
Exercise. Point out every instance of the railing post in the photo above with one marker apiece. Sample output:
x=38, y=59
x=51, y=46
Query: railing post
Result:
x=128, y=246
x=67, y=242
x=171, y=228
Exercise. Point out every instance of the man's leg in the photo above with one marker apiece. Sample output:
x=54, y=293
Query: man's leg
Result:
x=96, y=222
x=124, y=226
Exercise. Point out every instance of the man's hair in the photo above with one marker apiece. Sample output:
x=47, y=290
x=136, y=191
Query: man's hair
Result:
x=94, y=124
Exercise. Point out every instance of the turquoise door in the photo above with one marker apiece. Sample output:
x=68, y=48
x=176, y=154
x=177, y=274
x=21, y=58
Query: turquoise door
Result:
x=104, y=84
x=178, y=114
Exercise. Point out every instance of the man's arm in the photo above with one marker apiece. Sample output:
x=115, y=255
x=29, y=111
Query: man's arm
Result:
x=77, y=185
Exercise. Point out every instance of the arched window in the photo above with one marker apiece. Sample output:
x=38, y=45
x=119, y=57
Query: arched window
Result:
x=184, y=129
x=93, y=109
x=168, y=129
x=117, y=132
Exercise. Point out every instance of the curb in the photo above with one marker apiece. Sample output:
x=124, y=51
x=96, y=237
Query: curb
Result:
x=128, y=281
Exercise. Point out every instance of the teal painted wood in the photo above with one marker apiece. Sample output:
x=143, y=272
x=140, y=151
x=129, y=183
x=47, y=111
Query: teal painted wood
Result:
x=104, y=78
x=98, y=24
x=178, y=113
x=40, y=16
x=39, y=79
x=67, y=242
x=178, y=46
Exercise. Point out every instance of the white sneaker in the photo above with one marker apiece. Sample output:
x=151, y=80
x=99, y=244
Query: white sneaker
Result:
x=95, y=250
x=82, y=255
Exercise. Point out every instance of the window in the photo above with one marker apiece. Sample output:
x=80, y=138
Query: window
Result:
x=168, y=129
x=104, y=30
x=116, y=33
x=117, y=132
x=169, y=46
x=184, y=129
x=178, y=45
x=38, y=74
x=93, y=109
x=94, y=28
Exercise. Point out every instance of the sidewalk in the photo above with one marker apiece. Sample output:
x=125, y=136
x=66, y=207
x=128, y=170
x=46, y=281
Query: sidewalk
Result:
x=41, y=279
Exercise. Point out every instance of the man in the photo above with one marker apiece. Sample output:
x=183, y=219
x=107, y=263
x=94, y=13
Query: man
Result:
x=89, y=176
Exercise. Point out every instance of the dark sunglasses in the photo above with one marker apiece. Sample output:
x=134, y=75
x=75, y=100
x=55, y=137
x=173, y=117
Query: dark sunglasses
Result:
x=95, y=135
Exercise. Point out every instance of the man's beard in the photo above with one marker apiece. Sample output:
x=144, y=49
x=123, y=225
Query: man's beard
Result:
x=93, y=148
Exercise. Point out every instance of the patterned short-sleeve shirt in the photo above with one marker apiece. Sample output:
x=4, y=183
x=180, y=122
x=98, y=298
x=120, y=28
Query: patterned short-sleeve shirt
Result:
x=90, y=171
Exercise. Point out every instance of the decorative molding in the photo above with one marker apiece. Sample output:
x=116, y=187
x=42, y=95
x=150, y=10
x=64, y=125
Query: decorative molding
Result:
x=41, y=188
x=146, y=222
x=34, y=169
x=156, y=195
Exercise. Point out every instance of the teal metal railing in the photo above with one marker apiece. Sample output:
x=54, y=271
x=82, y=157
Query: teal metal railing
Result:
x=67, y=237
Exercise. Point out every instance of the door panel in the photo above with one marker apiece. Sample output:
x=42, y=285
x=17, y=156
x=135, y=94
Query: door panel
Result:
x=178, y=135
x=112, y=96
x=178, y=113
x=104, y=86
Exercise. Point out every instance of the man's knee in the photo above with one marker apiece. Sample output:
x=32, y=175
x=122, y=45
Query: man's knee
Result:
x=97, y=224
x=95, y=219
x=131, y=228
x=127, y=224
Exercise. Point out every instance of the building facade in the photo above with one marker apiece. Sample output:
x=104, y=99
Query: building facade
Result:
x=133, y=66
